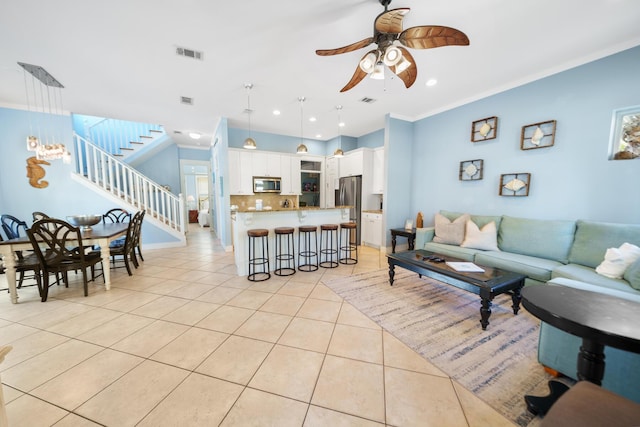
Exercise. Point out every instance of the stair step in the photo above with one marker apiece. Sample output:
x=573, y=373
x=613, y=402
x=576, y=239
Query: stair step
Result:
x=126, y=148
x=156, y=131
x=136, y=142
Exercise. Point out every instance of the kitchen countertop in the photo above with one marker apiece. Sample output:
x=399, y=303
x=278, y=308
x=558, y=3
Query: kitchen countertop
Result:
x=374, y=211
x=281, y=209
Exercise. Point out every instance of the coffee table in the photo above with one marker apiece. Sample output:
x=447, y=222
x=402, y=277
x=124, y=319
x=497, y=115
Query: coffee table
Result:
x=488, y=284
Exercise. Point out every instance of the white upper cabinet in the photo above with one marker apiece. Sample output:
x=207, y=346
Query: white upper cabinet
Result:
x=240, y=172
x=378, y=171
x=352, y=164
x=290, y=168
x=266, y=164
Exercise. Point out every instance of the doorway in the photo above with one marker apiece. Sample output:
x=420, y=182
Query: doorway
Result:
x=197, y=190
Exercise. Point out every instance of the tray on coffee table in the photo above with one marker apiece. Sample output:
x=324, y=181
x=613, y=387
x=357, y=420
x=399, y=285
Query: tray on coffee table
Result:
x=487, y=284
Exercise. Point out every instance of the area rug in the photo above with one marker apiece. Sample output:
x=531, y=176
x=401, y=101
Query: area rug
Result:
x=442, y=323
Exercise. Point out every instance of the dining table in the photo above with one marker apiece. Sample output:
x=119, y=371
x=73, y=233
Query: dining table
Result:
x=98, y=235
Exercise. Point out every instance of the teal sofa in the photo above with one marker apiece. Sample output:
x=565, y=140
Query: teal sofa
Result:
x=563, y=252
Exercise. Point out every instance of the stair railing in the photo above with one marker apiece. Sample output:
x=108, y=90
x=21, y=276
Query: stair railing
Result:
x=127, y=184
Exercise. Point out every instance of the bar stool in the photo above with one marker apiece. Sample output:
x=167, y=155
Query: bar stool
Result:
x=258, y=260
x=287, y=257
x=306, y=234
x=329, y=245
x=348, y=247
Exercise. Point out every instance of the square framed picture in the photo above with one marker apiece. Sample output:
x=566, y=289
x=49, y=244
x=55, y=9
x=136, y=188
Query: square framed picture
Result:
x=515, y=184
x=484, y=129
x=538, y=135
x=625, y=134
x=471, y=170
x=408, y=224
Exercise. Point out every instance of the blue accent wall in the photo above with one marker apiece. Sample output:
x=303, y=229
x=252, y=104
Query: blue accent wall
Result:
x=570, y=180
x=372, y=140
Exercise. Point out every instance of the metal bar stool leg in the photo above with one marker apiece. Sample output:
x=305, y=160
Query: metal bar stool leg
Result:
x=282, y=257
x=329, y=245
x=348, y=246
x=307, y=253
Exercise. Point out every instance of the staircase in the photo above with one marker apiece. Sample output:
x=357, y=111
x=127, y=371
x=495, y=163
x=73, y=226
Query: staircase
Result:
x=121, y=138
x=114, y=178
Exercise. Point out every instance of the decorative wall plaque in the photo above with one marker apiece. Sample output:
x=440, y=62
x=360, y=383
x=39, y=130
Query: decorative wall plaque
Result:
x=471, y=170
x=538, y=135
x=625, y=134
x=515, y=184
x=484, y=129
x=35, y=172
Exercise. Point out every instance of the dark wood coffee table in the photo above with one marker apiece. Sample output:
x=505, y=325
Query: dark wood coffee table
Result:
x=487, y=285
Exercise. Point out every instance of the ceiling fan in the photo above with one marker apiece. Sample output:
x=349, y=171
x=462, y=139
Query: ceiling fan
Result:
x=387, y=29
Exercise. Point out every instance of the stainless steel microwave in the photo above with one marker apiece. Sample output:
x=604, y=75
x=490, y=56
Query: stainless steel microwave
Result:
x=266, y=184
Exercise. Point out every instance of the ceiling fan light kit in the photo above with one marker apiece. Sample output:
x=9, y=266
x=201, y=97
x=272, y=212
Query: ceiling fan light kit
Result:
x=387, y=32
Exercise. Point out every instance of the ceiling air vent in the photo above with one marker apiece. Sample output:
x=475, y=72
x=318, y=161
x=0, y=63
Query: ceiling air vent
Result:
x=186, y=100
x=367, y=100
x=189, y=53
x=177, y=132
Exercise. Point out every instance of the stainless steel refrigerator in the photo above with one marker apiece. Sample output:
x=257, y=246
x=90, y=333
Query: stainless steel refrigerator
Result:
x=349, y=193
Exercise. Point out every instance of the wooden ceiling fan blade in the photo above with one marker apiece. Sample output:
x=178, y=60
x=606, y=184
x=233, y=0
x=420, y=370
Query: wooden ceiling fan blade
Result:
x=344, y=49
x=431, y=36
x=390, y=22
x=357, y=77
x=409, y=74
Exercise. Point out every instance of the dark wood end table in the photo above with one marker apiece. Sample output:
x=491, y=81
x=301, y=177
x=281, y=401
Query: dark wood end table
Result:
x=409, y=234
x=599, y=319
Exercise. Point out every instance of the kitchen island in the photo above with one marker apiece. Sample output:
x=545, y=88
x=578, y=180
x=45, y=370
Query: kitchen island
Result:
x=272, y=218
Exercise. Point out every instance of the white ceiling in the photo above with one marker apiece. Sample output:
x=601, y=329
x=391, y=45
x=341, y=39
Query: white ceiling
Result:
x=117, y=58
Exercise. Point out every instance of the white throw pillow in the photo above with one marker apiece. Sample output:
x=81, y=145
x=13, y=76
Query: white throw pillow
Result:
x=485, y=238
x=450, y=232
x=616, y=260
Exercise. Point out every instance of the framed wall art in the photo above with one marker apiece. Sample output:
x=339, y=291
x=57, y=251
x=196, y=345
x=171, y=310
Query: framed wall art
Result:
x=538, y=135
x=625, y=134
x=471, y=170
x=484, y=129
x=515, y=184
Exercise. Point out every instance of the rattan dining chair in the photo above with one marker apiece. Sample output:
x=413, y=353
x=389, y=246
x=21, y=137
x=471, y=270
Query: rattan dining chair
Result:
x=26, y=261
x=58, y=246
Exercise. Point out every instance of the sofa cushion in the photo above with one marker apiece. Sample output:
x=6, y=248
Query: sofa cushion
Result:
x=536, y=268
x=589, y=275
x=450, y=232
x=594, y=238
x=451, y=250
x=485, y=238
x=550, y=239
x=632, y=275
x=479, y=220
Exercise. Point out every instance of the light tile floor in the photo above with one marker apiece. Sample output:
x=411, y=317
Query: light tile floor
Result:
x=185, y=341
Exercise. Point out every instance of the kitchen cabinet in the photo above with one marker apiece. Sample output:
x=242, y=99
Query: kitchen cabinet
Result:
x=332, y=181
x=378, y=171
x=240, y=172
x=265, y=164
x=371, y=229
x=352, y=163
x=290, y=168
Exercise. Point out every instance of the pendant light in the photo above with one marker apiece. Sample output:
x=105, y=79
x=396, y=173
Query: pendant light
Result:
x=249, y=143
x=339, y=152
x=302, y=149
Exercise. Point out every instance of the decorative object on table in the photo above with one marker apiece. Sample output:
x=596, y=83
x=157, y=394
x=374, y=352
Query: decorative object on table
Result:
x=408, y=224
x=471, y=170
x=625, y=134
x=84, y=221
x=47, y=144
x=484, y=129
x=515, y=184
x=387, y=29
x=419, y=220
x=538, y=135
x=35, y=172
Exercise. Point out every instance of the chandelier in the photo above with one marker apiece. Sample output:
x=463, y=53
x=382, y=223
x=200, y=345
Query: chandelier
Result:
x=44, y=93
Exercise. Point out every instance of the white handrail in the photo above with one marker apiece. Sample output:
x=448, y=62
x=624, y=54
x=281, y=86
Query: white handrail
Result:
x=127, y=184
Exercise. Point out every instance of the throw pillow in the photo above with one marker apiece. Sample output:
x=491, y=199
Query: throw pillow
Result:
x=632, y=275
x=616, y=260
x=485, y=238
x=450, y=232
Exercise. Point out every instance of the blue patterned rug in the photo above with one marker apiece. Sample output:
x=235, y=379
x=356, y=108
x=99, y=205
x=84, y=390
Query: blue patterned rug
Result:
x=441, y=323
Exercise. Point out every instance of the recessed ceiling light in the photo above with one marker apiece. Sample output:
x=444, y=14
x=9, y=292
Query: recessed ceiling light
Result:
x=341, y=124
x=312, y=119
x=319, y=136
x=195, y=135
x=276, y=112
x=432, y=82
